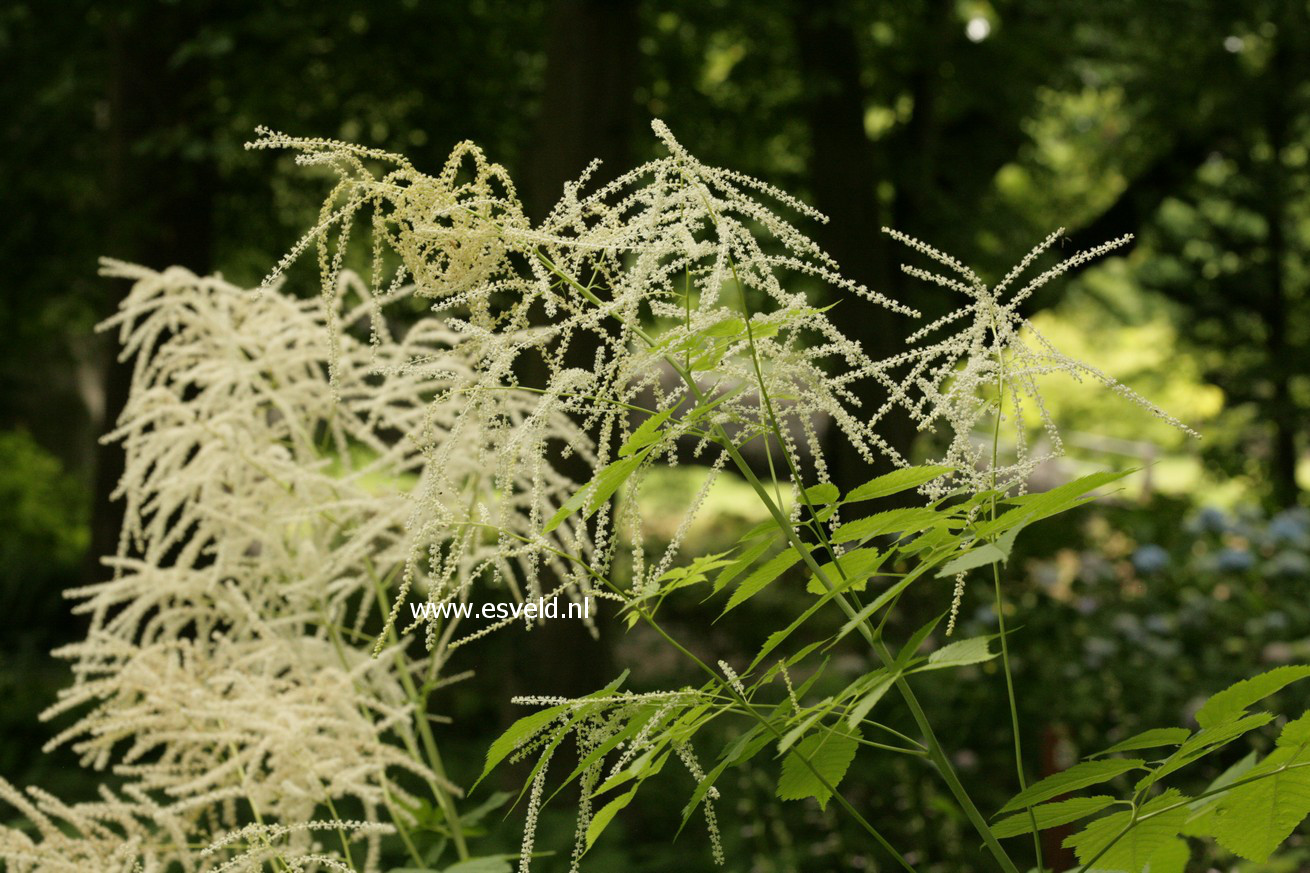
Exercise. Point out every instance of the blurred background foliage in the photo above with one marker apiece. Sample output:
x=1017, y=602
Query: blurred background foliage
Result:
x=979, y=125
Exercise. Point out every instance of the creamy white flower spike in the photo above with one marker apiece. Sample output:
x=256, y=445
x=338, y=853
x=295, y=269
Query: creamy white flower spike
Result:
x=994, y=352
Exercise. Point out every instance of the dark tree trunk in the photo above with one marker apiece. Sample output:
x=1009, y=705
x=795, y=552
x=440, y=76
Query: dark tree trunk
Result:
x=844, y=181
x=587, y=111
x=587, y=106
x=158, y=211
x=1282, y=407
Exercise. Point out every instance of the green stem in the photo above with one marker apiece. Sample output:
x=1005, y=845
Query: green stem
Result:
x=420, y=702
x=1000, y=604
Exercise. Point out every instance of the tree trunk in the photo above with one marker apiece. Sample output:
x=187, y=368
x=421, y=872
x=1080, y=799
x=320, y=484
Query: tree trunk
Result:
x=160, y=198
x=844, y=183
x=587, y=110
x=1282, y=409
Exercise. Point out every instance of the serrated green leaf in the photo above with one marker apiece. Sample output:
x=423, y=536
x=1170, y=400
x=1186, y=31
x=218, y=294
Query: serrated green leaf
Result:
x=823, y=493
x=517, y=734
x=974, y=650
x=606, y=814
x=896, y=482
x=1253, y=819
x=777, y=638
x=1078, y=776
x=1005, y=542
x=741, y=564
x=702, y=788
x=567, y=508
x=1051, y=815
x=611, y=478
x=978, y=556
x=829, y=753
x=646, y=765
x=1172, y=857
x=910, y=520
x=906, y=654
x=1200, y=820
x=1131, y=851
x=647, y=433
x=498, y=864
x=1203, y=742
x=1296, y=732
x=1153, y=739
x=875, y=693
x=599, y=490
x=725, y=329
x=1034, y=507
x=856, y=566
x=762, y=576
x=694, y=573
x=746, y=746
x=1235, y=699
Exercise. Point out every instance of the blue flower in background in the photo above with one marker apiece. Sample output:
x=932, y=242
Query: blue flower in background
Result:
x=1291, y=527
x=1230, y=560
x=1209, y=520
x=1150, y=558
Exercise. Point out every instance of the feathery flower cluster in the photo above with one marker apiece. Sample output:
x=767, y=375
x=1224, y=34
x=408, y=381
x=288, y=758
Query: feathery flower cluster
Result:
x=296, y=469
x=671, y=293
x=993, y=356
x=696, y=250
x=270, y=515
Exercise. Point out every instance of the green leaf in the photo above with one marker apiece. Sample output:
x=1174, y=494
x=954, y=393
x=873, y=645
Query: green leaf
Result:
x=1077, y=776
x=694, y=573
x=895, y=482
x=567, y=508
x=746, y=746
x=1296, y=732
x=518, y=733
x=823, y=493
x=609, y=480
x=978, y=556
x=1203, y=742
x=761, y=577
x=910, y=520
x=1235, y=699
x=906, y=654
x=606, y=814
x=647, y=433
x=1051, y=815
x=1253, y=819
x=777, y=638
x=739, y=566
x=599, y=490
x=829, y=753
x=881, y=685
x=498, y=864
x=647, y=764
x=1200, y=822
x=1152, y=739
x=725, y=329
x=856, y=566
x=1034, y=507
x=1005, y=542
x=702, y=788
x=1131, y=851
x=974, y=650
x=1172, y=857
